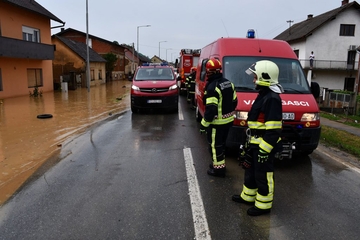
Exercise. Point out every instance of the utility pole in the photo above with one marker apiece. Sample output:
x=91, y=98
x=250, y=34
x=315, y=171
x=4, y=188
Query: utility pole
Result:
x=132, y=62
x=87, y=49
x=290, y=22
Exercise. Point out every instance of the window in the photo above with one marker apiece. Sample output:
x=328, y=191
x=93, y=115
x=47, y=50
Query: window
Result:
x=121, y=61
x=351, y=59
x=31, y=34
x=203, y=70
x=34, y=77
x=100, y=74
x=347, y=30
x=349, y=84
x=92, y=74
x=297, y=52
x=1, y=87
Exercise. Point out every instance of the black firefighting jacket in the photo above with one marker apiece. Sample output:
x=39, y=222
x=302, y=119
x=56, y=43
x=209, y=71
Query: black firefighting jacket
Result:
x=190, y=82
x=220, y=99
x=265, y=119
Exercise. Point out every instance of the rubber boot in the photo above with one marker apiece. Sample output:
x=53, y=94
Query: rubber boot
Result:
x=254, y=211
x=217, y=172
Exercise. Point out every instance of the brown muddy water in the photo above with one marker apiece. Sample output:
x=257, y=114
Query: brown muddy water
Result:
x=26, y=142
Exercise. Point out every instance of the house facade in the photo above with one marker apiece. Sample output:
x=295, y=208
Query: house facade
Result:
x=156, y=59
x=26, y=51
x=69, y=64
x=102, y=47
x=333, y=37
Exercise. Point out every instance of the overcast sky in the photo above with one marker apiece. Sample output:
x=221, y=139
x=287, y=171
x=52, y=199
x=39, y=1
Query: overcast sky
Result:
x=182, y=23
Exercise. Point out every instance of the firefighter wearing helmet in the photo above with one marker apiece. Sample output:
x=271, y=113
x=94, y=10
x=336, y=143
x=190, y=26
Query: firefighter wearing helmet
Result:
x=220, y=102
x=264, y=141
x=190, y=86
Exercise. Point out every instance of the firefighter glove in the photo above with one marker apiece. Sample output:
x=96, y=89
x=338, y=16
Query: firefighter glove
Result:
x=245, y=160
x=262, y=156
x=202, y=129
x=245, y=156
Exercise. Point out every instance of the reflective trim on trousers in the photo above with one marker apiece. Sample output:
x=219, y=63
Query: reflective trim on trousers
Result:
x=248, y=194
x=265, y=202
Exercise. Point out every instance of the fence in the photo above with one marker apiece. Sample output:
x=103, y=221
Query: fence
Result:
x=335, y=102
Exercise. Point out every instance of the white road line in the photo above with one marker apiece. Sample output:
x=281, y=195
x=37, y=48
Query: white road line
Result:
x=199, y=217
x=181, y=116
x=354, y=168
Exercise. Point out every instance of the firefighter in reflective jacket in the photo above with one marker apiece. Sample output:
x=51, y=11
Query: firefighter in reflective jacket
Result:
x=220, y=102
x=190, y=85
x=265, y=124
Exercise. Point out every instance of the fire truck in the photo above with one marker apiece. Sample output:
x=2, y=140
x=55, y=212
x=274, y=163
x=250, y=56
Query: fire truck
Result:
x=188, y=58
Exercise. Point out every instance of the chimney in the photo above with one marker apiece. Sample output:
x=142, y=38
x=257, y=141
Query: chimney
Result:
x=310, y=16
x=62, y=29
x=343, y=2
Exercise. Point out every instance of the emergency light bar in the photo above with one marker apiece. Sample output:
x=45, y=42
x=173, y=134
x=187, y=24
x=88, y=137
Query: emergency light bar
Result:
x=191, y=51
x=250, y=33
x=155, y=64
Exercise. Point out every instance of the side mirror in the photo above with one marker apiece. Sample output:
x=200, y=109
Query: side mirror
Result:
x=315, y=89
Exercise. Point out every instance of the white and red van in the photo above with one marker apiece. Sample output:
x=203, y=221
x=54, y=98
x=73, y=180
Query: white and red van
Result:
x=301, y=118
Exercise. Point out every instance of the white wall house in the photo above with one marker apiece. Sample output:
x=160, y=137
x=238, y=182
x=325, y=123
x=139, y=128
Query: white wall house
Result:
x=333, y=37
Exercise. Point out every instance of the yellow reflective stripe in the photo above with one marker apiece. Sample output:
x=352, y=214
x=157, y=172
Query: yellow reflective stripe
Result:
x=248, y=194
x=273, y=124
x=211, y=100
x=265, y=146
x=265, y=202
x=256, y=125
x=213, y=150
x=220, y=102
x=222, y=121
x=234, y=95
x=219, y=163
x=254, y=140
x=205, y=123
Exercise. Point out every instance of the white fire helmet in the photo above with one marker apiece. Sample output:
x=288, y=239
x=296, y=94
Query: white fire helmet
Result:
x=267, y=73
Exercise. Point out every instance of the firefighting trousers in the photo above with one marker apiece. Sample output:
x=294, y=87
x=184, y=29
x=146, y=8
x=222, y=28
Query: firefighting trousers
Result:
x=259, y=181
x=216, y=137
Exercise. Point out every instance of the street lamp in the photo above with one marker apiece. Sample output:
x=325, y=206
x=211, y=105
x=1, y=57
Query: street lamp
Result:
x=137, y=37
x=159, y=47
x=166, y=52
x=172, y=56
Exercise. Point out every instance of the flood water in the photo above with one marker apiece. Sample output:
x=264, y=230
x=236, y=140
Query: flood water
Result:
x=26, y=141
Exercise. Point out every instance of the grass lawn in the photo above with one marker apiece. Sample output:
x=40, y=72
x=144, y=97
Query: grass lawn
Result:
x=342, y=140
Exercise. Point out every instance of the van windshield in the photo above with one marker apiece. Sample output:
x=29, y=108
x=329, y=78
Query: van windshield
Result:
x=291, y=75
x=160, y=74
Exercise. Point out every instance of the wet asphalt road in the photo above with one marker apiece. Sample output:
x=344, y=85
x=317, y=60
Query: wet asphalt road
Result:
x=128, y=178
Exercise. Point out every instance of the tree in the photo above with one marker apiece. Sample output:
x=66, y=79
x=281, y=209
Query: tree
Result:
x=110, y=61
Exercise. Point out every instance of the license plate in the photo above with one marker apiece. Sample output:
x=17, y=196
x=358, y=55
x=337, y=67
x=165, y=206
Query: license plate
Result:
x=288, y=116
x=155, y=101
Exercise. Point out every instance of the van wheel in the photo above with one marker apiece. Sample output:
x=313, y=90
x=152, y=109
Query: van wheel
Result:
x=197, y=114
x=307, y=152
x=134, y=109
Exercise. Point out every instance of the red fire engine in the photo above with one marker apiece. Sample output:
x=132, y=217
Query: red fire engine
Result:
x=188, y=58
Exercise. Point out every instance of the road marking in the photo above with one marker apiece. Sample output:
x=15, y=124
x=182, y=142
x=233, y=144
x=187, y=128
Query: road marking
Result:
x=349, y=165
x=181, y=116
x=199, y=217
